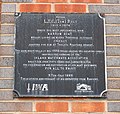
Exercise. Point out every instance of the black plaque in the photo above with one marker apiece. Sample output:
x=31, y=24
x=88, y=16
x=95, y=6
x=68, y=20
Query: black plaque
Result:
x=59, y=55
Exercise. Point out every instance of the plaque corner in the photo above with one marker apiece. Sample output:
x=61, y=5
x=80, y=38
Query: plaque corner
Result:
x=15, y=94
x=103, y=94
x=101, y=15
x=17, y=14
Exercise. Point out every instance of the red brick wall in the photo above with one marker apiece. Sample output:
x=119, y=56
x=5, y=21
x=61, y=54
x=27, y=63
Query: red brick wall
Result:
x=111, y=105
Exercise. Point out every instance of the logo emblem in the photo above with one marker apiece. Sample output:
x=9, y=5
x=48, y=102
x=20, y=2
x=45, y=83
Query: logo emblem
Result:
x=83, y=88
x=37, y=87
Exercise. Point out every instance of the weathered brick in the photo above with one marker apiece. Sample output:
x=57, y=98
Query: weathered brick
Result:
x=113, y=95
x=88, y=107
x=7, y=29
x=112, y=19
x=54, y=1
x=6, y=61
x=114, y=30
x=113, y=40
x=112, y=1
x=52, y=107
x=70, y=8
x=6, y=50
x=8, y=8
x=6, y=113
x=113, y=72
x=6, y=72
x=113, y=61
x=94, y=113
x=114, y=106
x=35, y=8
x=113, y=50
x=6, y=95
x=104, y=9
x=113, y=84
x=15, y=106
x=7, y=39
x=6, y=84
x=87, y=1
x=17, y=0
x=7, y=19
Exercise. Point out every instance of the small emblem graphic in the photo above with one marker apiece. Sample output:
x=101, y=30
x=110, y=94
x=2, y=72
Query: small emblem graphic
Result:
x=83, y=88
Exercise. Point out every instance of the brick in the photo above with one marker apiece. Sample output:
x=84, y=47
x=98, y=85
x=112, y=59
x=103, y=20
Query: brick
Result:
x=17, y=0
x=6, y=113
x=70, y=8
x=113, y=72
x=113, y=40
x=15, y=106
x=87, y=1
x=114, y=106
x=112, y=1
x=8, y=8
x=6, y=61
x=6, y=95
x=95, y=113
x=52, y=107
x=113, y=61
x=112, y=19
x=6, y=84
x=113, y=30
x=113, y=84
x=35, y=8
x=113, y=50
x=53, y=1
x=113, y=95
x=7, y=39
x=7, y=19
x=88, y=107
x=6, y=72
x=6, y=50
x=104, y=9
x=7, y=29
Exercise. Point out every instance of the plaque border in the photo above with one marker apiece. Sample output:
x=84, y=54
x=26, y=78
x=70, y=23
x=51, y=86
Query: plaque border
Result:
x=16, y=93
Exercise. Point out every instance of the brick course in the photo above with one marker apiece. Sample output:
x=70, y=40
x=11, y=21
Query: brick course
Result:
x=88, y=107
x=87, y=1
x=7, y=19
x=52, y=107
x=113, y=50
x=7, y=50
x=35, y=8
x=52, y=1
x=109, y=9
x=17, y=1
x=7, y=29
x=8, y=8
x=14, y=107
x=112, y=1
x=113, y=95
x=70, y=8
x=113, y=72
x=6, y=84
x=6, y=95
x=113, y=40
x=114, y=106
x=6, y=61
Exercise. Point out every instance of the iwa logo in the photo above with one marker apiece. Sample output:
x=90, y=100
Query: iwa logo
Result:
x=37, y=87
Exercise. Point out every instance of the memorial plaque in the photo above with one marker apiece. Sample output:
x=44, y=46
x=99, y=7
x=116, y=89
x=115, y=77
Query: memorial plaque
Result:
x=59, y=55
